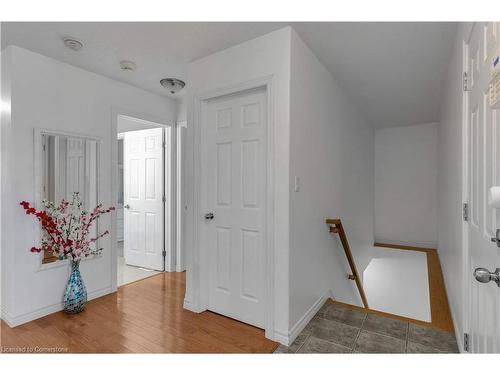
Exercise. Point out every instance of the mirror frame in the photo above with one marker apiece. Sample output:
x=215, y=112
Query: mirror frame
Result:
x=38, y=184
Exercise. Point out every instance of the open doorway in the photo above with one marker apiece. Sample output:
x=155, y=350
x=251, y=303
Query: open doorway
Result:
x=143, y=210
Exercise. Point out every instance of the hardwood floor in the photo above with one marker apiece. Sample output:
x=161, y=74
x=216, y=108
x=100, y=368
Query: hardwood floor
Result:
x=143, y=317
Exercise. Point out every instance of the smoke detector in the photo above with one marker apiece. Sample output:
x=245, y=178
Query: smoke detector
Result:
x=72, y=43
x=127, y=65
x=173, y=85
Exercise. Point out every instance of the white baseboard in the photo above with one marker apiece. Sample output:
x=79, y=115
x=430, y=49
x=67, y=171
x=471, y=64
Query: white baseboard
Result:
x=169, y=268
x=281, y=337
x=291, y=335
x=13, y=321
x=458, y=331
x=188, y=305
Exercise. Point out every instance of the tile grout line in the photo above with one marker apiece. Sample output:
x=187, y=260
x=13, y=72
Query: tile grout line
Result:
x=344, y=324
x=385, y=335
x=309, y=335
x=301, y=345
x=359, y=333
x=321, y=317
x=362, y=325
x=407, y=337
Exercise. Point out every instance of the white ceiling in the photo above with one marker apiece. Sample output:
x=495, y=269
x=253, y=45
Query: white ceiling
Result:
x=394, y=71
x=160, y=49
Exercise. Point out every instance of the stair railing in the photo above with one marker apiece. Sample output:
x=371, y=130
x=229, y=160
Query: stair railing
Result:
x=336, y=227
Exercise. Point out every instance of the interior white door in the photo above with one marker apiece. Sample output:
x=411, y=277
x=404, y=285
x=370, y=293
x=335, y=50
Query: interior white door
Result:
x=235, y=180
x=75, y=167
x=143, y=198
x=483, y=142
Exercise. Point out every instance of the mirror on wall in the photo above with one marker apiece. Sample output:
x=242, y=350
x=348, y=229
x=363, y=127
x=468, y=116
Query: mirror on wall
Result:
x=68, y=164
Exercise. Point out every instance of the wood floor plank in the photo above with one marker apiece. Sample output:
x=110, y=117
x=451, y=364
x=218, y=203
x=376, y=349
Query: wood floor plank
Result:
x=143, y=317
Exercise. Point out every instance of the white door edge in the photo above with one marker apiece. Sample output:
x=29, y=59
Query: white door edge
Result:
x=466, y=278
x=480, y=301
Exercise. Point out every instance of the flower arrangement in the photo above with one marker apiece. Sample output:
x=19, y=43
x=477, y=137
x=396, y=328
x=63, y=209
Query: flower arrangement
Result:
x=66, y=228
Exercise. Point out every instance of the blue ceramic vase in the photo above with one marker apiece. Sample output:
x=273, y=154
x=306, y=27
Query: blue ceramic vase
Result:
x=75, y=296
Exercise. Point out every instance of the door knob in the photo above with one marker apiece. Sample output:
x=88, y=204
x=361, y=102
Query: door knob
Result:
x=209, y=216
x=484, y=276
x=496, y=239
x=127, y=206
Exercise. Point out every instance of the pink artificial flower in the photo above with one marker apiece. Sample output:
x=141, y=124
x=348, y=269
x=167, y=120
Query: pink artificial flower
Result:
x=66, y=227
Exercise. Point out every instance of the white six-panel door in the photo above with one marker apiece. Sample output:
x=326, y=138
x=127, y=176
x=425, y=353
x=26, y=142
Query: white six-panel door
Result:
x=143, y=198
x=483, y=172
x=75, y=167
x=235, y=181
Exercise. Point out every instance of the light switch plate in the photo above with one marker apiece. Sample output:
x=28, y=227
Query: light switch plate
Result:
x=296, y=184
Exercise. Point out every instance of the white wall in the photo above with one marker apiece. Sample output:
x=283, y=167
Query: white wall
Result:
x=52, y=95
x=406, y=185
x=181, y=107
x=6, y=262
x=331, y=151
x=320, y=137
x=127, y=124
x=450, y=197
x=263, y=57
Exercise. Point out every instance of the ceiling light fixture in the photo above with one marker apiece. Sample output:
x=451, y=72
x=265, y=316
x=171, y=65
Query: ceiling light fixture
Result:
x=72, y=43
x=173, y=85
x=128, y=65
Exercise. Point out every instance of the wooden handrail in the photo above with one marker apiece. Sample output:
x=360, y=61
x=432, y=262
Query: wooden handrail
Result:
x=336, y=227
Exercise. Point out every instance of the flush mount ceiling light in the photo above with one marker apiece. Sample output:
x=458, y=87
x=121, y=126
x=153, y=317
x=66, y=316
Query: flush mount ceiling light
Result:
x=173, y=85
x=127, y=65
x=72, y=43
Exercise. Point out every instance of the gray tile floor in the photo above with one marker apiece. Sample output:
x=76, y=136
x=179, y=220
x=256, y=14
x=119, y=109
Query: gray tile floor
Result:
x=337, y=329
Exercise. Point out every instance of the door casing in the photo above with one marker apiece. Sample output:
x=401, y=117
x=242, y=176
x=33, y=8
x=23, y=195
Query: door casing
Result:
x=465, y=279
x=199, y=264
x=170, y=187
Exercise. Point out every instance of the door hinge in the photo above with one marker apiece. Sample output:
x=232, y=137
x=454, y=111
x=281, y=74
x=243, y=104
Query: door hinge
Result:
x=465, y=81
x=465, y=212
x=164, y=144
x=164, y=253
x=164, y=199
x=466, y=342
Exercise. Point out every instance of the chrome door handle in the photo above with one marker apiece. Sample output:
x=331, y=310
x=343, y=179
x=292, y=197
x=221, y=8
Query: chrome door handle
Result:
x=127, y=206
x=497, y=238
x=209, y=216
x=485, y=276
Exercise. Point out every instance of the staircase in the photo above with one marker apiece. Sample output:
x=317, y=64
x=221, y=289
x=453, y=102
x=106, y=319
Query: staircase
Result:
x=336, y=227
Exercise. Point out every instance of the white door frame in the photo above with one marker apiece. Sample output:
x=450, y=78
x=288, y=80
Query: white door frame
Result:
x=199, y=263
x=180, y=196
x=465, y=193
x=170, y=191
x=466, y=271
